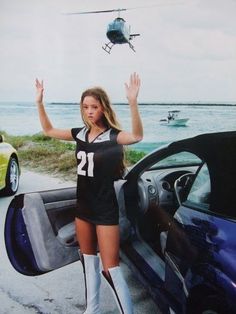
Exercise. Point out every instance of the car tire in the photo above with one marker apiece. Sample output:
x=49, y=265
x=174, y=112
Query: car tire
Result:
x=12, y=177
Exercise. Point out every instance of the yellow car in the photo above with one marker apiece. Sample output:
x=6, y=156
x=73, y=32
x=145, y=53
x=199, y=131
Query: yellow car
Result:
x=9, y=168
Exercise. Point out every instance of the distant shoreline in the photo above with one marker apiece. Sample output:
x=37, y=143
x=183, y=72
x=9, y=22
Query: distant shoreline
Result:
x=155, y=104
x=195, y=104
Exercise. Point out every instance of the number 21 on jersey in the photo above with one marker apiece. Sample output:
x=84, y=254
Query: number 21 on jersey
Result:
x=86, y=162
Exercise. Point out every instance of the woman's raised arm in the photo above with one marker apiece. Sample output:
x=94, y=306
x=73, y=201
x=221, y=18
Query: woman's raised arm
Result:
x=46, y=124
x=136, y=135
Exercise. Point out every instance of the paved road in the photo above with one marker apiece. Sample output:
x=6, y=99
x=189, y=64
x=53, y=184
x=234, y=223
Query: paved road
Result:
x=60, y=291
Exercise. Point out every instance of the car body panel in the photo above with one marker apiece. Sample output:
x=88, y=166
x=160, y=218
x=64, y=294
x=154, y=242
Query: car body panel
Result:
x=206, y=255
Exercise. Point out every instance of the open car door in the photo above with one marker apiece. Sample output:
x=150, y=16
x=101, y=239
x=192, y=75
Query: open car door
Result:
x=40, y=231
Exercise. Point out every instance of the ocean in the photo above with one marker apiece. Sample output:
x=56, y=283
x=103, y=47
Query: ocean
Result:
x=21, y=118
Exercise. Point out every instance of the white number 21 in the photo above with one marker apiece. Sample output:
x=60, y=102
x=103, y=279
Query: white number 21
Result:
x=85, y=158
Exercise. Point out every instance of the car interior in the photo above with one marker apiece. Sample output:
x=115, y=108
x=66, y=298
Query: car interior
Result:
x=161, y=188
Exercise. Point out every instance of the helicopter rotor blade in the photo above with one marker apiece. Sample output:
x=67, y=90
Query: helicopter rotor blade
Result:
x=178, y=2
x=98, y=11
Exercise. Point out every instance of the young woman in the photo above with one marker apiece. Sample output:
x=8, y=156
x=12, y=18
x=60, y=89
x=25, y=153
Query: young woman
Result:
x=99, y=153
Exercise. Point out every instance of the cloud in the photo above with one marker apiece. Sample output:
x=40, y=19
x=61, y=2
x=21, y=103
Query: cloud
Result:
x=182, y=43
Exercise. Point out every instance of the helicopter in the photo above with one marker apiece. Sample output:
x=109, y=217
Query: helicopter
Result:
x=118, y=32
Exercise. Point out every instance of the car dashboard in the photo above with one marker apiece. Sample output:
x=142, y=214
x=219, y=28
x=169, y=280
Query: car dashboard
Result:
x=157, y=200
x=157, y=186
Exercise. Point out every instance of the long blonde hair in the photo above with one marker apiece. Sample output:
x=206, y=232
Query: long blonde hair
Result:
x=109, y=117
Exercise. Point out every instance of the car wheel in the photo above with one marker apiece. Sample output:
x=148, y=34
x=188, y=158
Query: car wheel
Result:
x=12, y=178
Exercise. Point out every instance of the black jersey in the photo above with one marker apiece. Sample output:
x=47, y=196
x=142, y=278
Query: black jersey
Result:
x=98, y=165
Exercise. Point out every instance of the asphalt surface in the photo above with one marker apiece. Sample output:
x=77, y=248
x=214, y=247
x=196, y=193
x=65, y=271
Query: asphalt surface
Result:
x=60, y=291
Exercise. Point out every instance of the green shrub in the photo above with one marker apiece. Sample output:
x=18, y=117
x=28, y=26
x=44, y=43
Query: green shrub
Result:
x=132, y=156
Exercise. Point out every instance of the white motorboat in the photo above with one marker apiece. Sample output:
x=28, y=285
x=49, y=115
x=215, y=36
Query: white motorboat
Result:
x=173, y=119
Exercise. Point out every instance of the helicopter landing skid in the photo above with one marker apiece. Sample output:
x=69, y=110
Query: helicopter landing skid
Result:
x=131, y=46
x=107, y=47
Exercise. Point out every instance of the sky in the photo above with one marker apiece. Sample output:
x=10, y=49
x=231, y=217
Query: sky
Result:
x=186, y=51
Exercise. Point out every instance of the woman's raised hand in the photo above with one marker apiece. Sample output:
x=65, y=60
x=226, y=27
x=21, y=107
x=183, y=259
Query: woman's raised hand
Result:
x=132, y=89
x=39, y=91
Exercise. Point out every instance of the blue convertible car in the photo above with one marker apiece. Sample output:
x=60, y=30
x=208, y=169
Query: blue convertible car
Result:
x=177, y=220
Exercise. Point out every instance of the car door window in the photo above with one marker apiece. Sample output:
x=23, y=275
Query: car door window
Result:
x=200, y=191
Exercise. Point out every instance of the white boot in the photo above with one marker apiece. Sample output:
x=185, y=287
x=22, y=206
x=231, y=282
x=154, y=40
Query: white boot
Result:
x=92, y=281
x=119, y=289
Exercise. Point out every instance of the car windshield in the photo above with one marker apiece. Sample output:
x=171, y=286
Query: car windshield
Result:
x=178, y=160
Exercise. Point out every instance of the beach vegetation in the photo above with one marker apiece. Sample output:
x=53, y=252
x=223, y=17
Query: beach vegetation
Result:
x=41, y=153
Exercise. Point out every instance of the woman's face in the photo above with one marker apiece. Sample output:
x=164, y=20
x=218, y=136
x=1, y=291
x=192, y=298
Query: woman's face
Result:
x=92, y=110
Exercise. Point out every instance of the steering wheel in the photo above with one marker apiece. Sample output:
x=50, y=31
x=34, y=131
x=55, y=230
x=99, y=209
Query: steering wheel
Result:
x=182, y=186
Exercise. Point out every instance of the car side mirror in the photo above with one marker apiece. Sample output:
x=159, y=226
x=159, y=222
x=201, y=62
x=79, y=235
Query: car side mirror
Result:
x=1, y=138
x=182, y=186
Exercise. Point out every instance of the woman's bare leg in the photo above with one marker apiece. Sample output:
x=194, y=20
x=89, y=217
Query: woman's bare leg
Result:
x=109, y=244
x=86, y=236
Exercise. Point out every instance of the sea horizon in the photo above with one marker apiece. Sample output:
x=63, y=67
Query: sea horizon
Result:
x=151, y=103
x=21, y=118
x=155, y=104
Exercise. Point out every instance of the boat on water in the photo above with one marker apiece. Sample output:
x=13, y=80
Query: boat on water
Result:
x=173, y=119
